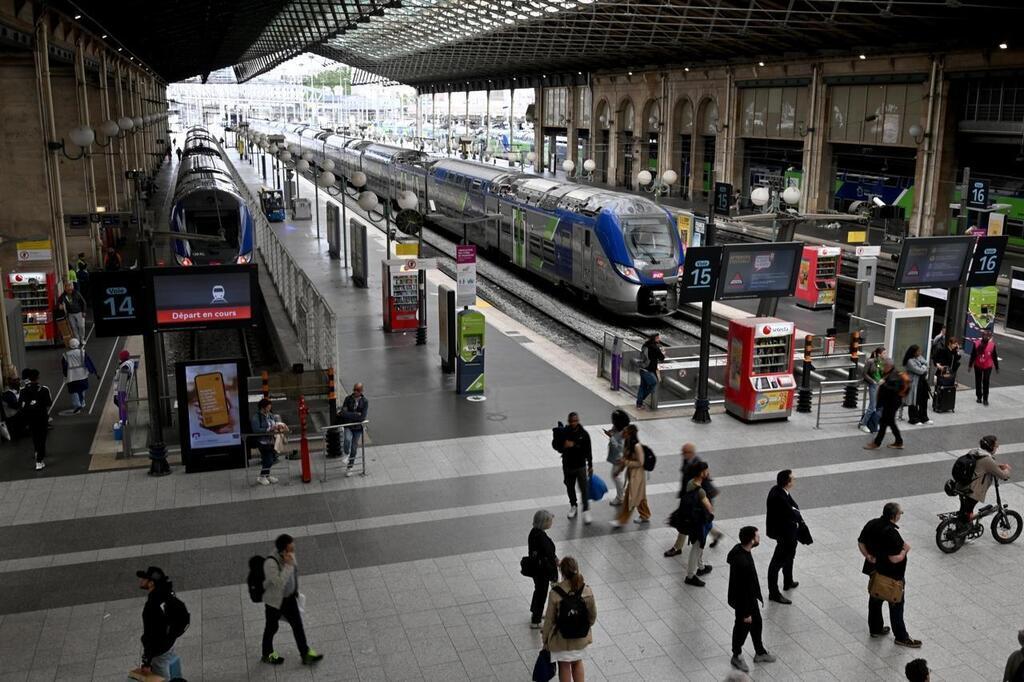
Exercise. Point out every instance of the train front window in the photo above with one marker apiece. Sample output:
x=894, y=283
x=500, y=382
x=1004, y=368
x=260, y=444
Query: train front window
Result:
x=649, y=240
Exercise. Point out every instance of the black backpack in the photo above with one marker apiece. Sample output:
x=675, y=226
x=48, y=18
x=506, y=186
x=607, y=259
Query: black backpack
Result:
x=963, y=469
x=573, y=617
x=649, y=459
x=558, y=437
x=178, y=617
x=254, y=581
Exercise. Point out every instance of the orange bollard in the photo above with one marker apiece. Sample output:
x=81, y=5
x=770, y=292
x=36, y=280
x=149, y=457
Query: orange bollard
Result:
x=266, y=383
x=307, y=474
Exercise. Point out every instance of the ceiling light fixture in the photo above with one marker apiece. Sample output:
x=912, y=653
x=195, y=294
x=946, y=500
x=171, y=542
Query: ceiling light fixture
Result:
x=103, y=37
x=760, y=63
x=863, y=56
x=1003, y=46
x=77, y=17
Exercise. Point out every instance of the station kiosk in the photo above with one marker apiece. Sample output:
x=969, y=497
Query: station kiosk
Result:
x=37, y=293
x=816, y=282
x=759, y=369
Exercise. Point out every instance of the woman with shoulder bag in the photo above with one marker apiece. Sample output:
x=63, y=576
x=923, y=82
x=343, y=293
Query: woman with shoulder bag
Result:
x=620, y=420
x=567, y=646
x=636, y=479
x=541, y=551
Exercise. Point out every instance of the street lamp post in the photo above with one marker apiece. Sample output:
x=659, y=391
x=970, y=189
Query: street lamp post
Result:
x=647, y=184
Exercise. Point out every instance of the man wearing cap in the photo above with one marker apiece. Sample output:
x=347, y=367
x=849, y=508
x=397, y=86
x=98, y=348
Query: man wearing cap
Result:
x=157, y=644
x=77, y=366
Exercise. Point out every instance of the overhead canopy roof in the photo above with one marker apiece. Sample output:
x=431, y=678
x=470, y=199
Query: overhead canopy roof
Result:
x=452, y=44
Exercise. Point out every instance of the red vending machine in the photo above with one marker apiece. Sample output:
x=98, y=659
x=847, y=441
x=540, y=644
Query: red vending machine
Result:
x=37, y=292
x=401, y=296
x=816, y=282
x=759, y=381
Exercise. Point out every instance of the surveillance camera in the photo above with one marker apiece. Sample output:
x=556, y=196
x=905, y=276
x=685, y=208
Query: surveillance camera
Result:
x=878, y=202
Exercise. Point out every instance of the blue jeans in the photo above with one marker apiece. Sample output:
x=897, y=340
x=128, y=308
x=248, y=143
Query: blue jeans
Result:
x=268, y=458
x=872, y=406
x=875, y=622
x=648, y=380
x=160, y=665
x=351, y=445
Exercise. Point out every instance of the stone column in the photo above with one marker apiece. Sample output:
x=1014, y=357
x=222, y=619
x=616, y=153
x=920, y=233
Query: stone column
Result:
x=817, y=153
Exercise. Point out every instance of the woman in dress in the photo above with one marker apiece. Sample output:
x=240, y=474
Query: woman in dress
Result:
x=636, y=479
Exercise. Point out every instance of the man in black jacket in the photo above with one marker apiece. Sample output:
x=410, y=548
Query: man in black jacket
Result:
x=157, y=644
x=885, y=552
x=577, y=464
x=744, y=597
x=781, y=524
x=34, y=402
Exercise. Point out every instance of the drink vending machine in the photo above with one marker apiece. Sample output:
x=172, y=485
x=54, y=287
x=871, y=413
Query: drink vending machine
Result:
x=816, y=281
x=759, y=369
x=401, y=295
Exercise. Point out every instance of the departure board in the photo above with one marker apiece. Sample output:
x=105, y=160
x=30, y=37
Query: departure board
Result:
x=759, y=270
x=933, y=262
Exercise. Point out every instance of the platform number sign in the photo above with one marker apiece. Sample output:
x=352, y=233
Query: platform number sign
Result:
x=118, y=302
x=700, y=274
x=986, y=261
x=977, y=194
x=723, y=198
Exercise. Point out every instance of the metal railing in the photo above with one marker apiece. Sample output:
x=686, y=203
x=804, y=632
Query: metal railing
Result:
x=250, y=445
x=316, y=328
x=821, y=388
x=361, y=456
x=677, y=384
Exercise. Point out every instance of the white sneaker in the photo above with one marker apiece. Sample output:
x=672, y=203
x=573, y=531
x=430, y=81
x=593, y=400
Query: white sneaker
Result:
x=864, y=428
x=40, y=466
x=928, y=422
x=616, y=502
x=272, y=479
x=350, y=473
x=263, y=480
x=573, y=511
x=615, y=524
x=586, y=518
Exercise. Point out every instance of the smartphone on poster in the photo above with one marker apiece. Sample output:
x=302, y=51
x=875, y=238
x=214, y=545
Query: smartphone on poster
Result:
x=213, y=400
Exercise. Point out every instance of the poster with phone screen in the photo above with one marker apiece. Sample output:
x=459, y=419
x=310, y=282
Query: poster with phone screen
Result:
x=214, y=419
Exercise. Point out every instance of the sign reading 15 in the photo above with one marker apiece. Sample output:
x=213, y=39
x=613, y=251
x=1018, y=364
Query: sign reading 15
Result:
x=119, y=304
x=701, y=273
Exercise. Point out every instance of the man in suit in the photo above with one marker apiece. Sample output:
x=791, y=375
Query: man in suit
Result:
x=744, y=597
x=782, y=522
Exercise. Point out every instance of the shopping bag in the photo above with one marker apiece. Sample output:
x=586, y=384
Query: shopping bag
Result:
x=597, y=487
x=543, y=669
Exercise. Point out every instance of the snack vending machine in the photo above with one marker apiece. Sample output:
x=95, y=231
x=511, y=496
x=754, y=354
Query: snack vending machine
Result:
x=816, y=282
x=401, y=296
x=759, y=369
x=37, y=293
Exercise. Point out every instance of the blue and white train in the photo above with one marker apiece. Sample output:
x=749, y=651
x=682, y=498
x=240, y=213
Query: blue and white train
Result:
x=619, y=249
x=207, y=202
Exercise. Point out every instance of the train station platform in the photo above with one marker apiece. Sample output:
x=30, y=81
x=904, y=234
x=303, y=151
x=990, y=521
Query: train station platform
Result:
x=530, y=383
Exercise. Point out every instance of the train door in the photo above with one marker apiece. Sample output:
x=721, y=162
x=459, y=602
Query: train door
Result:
x=517, y=246
x=582, y=257
x=492, y=231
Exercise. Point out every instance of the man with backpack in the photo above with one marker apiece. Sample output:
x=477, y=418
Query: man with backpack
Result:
x=34, y=401
x=164, y=619
x=573, y=442
x=974, y=472
x=895, y=385
x=280, y=596
x=650, y=355
x=696, y=515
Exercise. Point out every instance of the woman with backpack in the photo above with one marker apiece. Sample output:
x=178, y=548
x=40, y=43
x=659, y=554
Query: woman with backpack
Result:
x=636, y=479
x=568, y=621
x=917, y=399
x=983, y=359
x=620, y=420
x=545, y=564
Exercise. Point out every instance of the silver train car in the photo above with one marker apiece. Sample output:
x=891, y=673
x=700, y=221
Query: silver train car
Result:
x=619, y=249
x=207, y=202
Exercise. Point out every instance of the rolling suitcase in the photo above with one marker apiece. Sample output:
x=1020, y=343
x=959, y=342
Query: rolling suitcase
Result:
x=944, y=397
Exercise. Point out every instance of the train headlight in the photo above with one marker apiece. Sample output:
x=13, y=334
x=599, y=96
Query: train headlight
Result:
x=679, y=271
x=627, y=272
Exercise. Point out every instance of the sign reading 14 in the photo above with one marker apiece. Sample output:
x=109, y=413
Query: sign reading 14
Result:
x=119, y=304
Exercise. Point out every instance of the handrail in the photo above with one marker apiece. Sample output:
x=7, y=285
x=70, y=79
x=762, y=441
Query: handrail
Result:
x=821, y=384
x=362, y=443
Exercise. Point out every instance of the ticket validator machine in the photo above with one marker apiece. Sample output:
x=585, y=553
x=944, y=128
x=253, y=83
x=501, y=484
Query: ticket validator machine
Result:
x=469, y=352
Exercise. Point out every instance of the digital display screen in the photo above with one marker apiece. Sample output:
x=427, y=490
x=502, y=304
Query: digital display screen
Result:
x=933, y=262
x=214, y=418
x=202, y=297
x=759, y=270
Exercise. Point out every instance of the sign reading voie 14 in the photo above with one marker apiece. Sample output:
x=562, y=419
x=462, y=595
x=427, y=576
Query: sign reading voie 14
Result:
x=986, y=260
x=465, y=275
x=700, y=274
